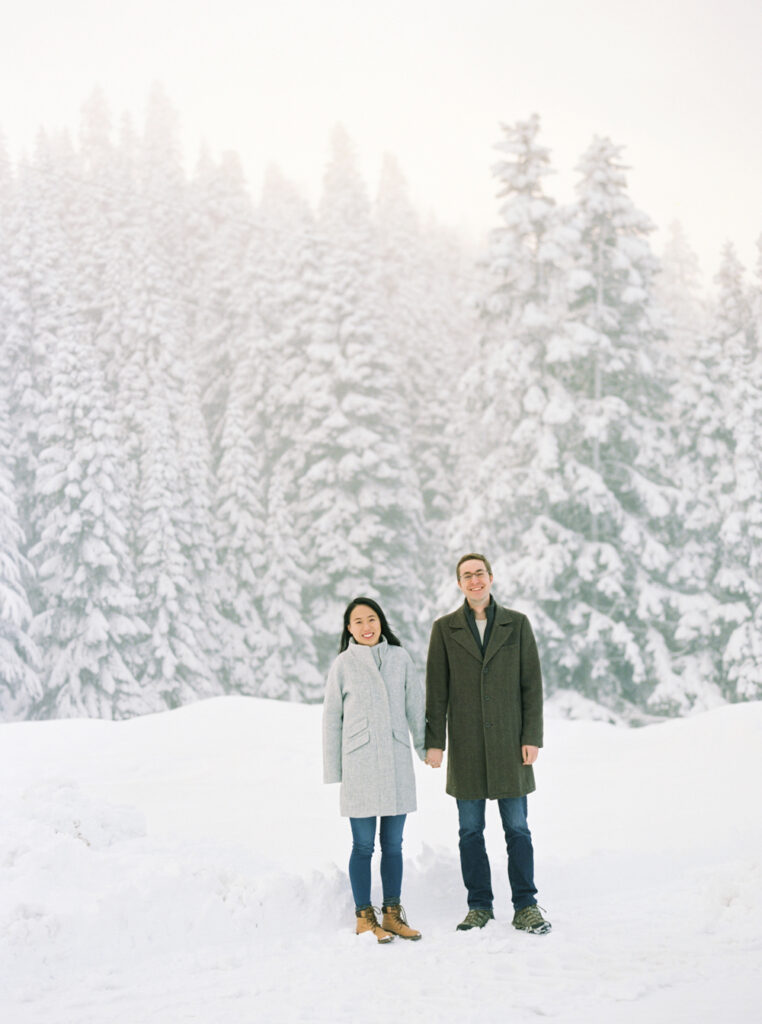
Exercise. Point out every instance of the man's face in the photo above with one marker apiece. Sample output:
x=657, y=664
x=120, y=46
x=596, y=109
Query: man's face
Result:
x=475, y=582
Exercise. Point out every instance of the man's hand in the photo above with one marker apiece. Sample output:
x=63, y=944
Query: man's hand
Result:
x=434, y=757
x=529, y=754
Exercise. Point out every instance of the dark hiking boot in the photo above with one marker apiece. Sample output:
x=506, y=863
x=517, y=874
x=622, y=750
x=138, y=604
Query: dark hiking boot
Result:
x=477, y=917
x=529, y=919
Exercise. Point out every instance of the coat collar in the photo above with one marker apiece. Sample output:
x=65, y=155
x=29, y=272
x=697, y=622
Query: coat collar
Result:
x=363, y=651
x=502, y=629
x=364, y=665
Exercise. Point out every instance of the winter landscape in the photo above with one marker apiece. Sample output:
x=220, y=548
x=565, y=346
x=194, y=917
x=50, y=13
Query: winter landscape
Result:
x=191, y=866
x=220, y=419
x=232, y=401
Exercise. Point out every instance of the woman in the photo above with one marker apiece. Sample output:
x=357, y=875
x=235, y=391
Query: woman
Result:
x=371, y=701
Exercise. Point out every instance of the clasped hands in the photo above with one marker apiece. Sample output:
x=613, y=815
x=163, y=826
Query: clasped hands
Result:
x=434, y=757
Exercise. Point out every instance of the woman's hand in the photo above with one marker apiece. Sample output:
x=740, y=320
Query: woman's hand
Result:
x=434, y=757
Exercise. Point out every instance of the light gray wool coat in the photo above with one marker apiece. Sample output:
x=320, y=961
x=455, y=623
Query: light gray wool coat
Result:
x=367, y=723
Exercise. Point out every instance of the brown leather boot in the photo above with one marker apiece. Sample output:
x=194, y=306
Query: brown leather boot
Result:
x=394, y=921
x=367, y=922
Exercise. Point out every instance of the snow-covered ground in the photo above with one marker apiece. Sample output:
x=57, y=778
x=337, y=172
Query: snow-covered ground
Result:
x=190, y=866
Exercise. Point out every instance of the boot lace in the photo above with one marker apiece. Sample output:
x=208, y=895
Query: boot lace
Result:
x=531, y=918
x=372, y=915
x=396, y=911
x=532, y=915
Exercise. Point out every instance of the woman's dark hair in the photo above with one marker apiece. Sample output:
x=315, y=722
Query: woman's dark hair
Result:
x=346, y=636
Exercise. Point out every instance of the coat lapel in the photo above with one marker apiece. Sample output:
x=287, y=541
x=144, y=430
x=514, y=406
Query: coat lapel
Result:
x=461, y=634
x=364, y=657
x=502, y=630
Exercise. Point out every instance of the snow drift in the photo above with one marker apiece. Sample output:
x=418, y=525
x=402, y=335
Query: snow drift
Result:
x=190, y=866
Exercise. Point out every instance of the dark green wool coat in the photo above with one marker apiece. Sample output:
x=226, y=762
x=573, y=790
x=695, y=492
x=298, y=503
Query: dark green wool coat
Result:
x=492, y=705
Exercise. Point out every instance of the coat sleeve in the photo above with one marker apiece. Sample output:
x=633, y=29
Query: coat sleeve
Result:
x=531, y=689
x=437, y=690
x=333, y=717
x=415, y=711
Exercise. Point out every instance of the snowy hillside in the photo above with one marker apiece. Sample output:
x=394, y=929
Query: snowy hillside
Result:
x=190, y=866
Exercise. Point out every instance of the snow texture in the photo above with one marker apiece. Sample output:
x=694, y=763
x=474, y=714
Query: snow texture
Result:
x=191, y=866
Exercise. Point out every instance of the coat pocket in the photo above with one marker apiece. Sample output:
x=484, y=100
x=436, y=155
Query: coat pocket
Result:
x=357, y=740
x=356, y=727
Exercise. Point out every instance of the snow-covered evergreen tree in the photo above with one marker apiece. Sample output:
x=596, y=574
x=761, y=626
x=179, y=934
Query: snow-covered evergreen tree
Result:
x=87, y=624
x=739, y=578
x=177, y=577
x=513, y=409
x=359, y=504
x=220, y=232
x=519, y=316
x=20, y=684
x=623, y=509
x=240, y=524
x=72, y=464
x=429, y=317
x=679, y=292
x=714, y=595
x=35, y=294
x=107, y=280
x=584, y=471
x=288, y=285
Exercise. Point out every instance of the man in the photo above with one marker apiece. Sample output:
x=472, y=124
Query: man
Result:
x=484, y=688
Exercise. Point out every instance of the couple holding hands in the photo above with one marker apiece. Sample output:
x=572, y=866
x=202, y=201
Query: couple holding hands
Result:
x=484, y=692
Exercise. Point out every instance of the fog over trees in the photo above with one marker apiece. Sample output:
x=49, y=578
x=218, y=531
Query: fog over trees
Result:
x=221, y=418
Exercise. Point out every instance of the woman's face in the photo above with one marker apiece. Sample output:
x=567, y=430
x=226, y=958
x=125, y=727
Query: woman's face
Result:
x=364, y=625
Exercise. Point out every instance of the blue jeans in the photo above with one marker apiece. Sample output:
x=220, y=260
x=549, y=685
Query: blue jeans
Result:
x=474, y=862
x=363, y=839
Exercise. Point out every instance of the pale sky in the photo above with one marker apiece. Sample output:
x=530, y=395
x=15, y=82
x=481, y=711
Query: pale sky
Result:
x=678, y=83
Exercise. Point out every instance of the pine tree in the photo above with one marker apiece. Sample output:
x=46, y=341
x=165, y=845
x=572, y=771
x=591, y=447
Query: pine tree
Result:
x=177, y=577
x=519, y=317
x=678, y=290
x=180, y=659
x=108, y=278
x=740, y=575
x=359, y=501
x=220, y=230
x=35, y=294
x=88, y=624
x=288, y=285
x=624, y=506
x=714, y=592
x=516, y=409
x=583, y=474
x=240, y=525
x=20, y=684
x=69, y=466
x=427, y=314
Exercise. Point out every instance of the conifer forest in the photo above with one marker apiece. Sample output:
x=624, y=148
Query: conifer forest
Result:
x=224, y=416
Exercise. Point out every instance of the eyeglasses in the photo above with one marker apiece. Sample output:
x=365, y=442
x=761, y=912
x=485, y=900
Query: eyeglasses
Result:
x=480, y=574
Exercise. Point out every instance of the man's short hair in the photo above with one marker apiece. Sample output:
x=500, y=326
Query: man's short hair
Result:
x=467, y=558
